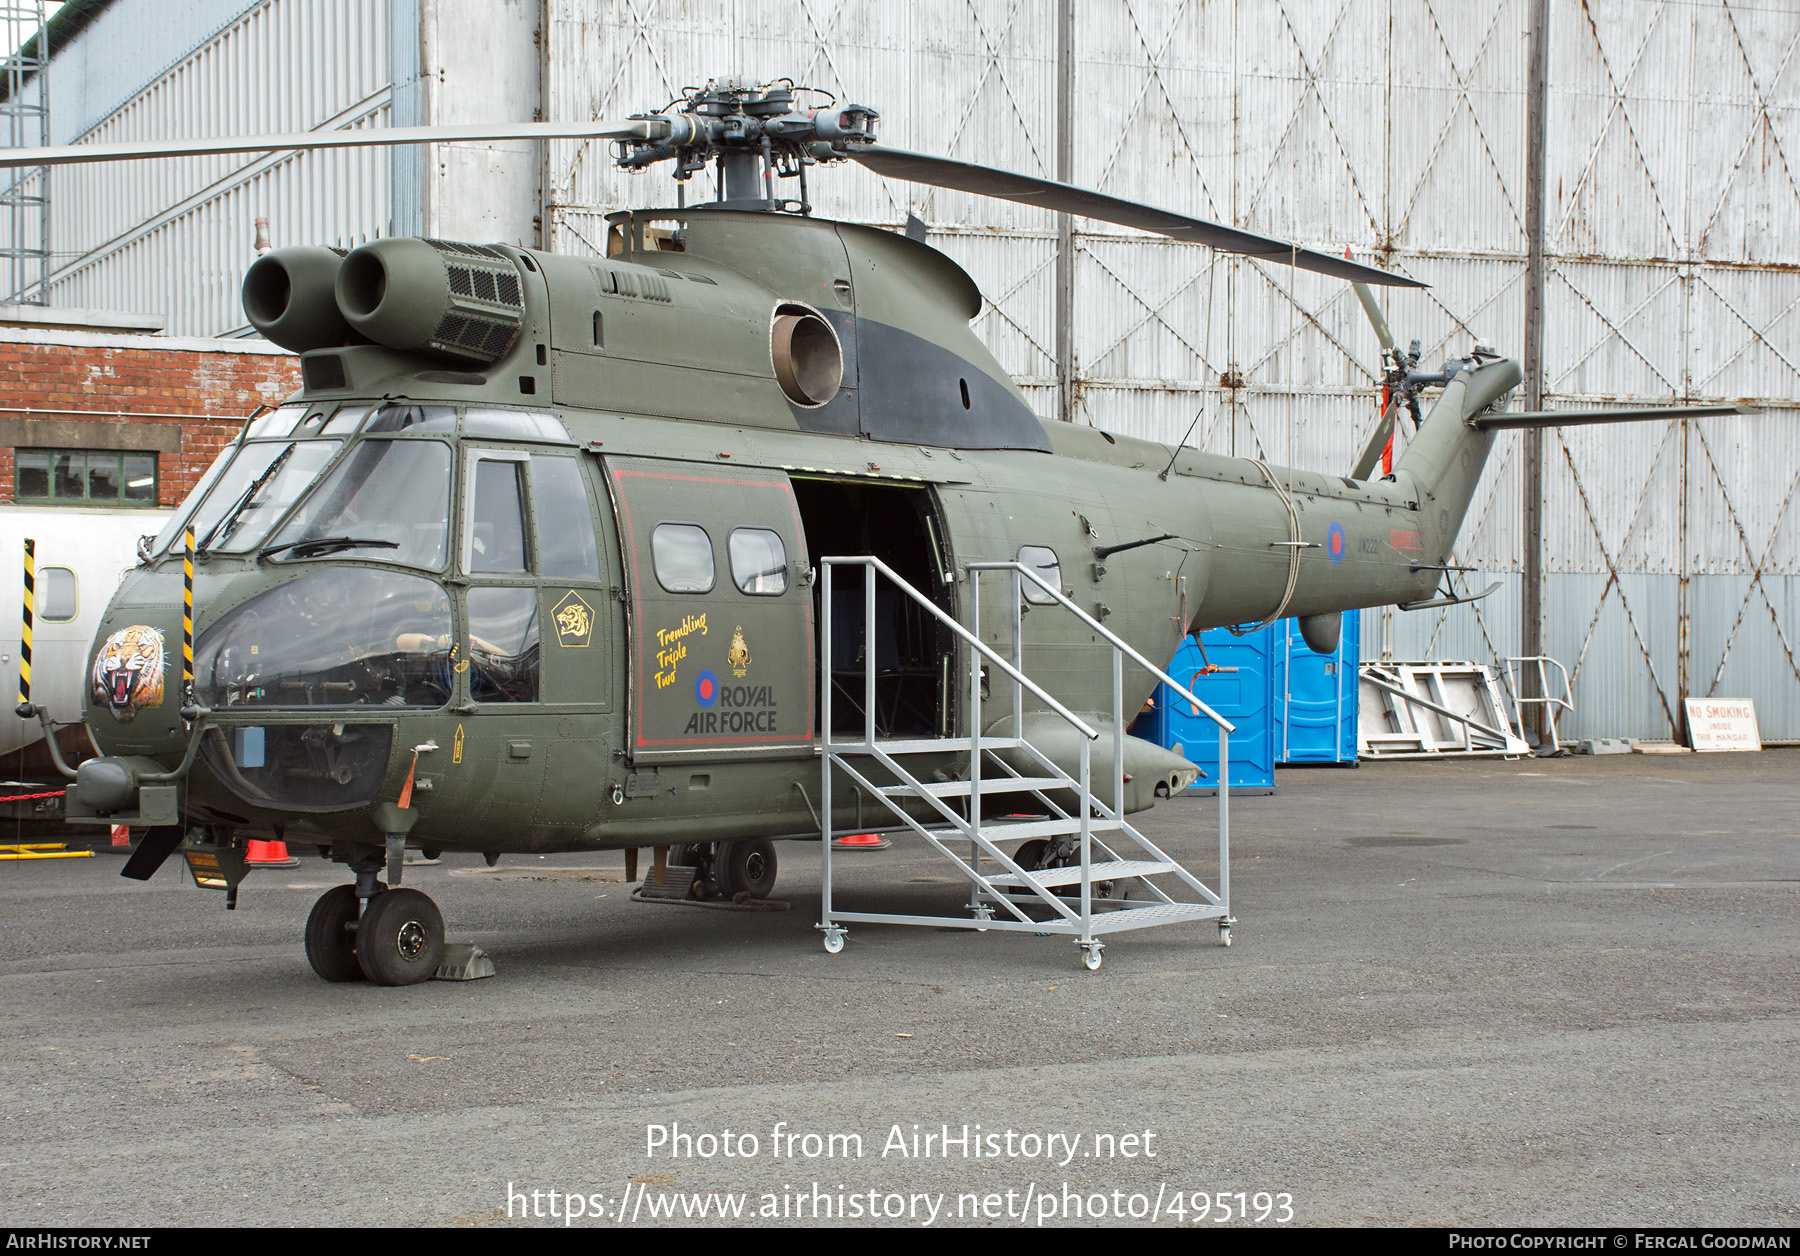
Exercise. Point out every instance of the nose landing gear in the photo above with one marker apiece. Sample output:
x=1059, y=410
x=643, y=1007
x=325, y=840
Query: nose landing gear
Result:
x=368, y=931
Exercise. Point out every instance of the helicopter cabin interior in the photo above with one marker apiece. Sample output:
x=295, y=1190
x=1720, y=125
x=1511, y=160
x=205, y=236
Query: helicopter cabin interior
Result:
x=898, y=524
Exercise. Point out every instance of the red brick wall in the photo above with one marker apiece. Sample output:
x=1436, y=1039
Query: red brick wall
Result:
x=206, y=393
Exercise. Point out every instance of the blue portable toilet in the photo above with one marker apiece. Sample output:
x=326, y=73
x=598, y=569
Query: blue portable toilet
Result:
x=1315, y=696
x=1246, y=697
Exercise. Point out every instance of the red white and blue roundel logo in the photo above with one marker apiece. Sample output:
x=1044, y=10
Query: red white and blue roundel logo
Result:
x=706, y=689
x=1334, y=544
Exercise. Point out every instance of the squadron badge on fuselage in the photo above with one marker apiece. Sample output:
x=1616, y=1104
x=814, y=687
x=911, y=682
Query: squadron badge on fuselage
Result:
x=739, y=653
x=574, y=620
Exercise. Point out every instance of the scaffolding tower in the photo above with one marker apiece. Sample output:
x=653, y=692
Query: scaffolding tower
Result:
x=25, y=123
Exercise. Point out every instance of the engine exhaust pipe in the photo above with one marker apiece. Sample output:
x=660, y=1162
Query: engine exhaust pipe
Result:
x=290, y=297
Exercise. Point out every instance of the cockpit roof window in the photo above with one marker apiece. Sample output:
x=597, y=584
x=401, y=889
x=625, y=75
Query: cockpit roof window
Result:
x=513, y=424
x=398, y=417
x=275, y=423
x=347, y=419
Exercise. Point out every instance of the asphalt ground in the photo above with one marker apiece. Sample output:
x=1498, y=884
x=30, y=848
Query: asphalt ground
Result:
x=1553, y=992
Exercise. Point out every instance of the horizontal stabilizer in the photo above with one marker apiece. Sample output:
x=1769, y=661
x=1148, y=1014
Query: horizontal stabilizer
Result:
x=1571, y=418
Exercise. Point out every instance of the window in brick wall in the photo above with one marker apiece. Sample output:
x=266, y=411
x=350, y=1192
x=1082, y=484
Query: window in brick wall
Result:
x=85, y=476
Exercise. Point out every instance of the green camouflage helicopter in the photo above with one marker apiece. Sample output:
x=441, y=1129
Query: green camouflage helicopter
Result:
x=531, y=562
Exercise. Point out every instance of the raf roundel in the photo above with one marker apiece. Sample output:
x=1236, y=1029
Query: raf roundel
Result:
x=1334, y=544
x=706, y=689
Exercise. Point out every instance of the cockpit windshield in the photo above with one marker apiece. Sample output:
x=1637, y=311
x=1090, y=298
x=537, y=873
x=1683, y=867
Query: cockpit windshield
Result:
x=246, y=492
x=388, y=500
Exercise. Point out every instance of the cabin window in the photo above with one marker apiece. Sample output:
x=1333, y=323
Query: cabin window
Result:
x=497, y=517
x=683, y=556
x=565, y=524
x=389, y=500
x=758, y=561
x=1041, y=560
x=56, y=601
x=503, y=644
x=85, y=476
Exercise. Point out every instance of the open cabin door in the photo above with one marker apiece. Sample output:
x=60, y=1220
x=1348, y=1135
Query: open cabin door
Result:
x=721, y=619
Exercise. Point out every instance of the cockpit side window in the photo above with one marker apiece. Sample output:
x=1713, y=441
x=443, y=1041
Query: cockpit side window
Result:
x=496, y=530
x=504, y=644
x=567, y=549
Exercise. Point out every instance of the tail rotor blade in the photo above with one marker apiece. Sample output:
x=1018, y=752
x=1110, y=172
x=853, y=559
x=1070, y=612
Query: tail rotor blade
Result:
x=1371, y=454
x=1373, y=310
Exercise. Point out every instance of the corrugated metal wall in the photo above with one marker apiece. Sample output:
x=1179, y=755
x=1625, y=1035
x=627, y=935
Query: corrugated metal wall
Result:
x=1395, y=128
x=175, y=237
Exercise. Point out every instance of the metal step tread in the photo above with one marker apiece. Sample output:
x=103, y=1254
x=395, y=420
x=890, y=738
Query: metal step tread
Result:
x=924, y=745
x=1109, y=871
x=1000, y=831
x=989, y=785
x=1155, y=914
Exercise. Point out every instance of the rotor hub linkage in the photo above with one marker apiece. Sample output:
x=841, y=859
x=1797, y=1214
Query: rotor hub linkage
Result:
x=743, y=125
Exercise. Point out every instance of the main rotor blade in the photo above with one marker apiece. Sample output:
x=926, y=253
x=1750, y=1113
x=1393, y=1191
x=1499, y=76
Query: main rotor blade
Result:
x=366, y=137
x=963, y=176
x=1572, y=418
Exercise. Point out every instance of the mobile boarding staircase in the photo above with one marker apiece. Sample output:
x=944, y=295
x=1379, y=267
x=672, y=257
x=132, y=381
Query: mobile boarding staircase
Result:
x=1105, y=850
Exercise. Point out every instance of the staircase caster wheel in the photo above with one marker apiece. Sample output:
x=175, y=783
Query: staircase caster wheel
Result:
x=834, y=941
x=1091, y=958
x=1224, y=935
x=400, y=939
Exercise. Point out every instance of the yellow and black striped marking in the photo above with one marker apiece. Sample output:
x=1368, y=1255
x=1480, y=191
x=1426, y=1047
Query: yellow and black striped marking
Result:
x=187, y=622
x=25, y=637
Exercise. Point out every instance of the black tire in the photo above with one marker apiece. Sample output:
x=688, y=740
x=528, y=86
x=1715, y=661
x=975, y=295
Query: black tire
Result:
x=699, y=857
x=692, y=854
x=1030, y=854
x=330, y=942
x=745, y=868
x=400, y=940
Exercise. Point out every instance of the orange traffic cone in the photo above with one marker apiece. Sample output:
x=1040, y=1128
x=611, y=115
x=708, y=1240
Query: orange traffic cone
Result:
x=861, y=841
x=121, y=835
x=270, y=855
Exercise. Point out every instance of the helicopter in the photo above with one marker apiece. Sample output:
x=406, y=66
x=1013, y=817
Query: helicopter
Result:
x=532, y=561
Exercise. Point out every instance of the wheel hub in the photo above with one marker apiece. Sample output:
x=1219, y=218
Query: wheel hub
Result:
x=411, y=940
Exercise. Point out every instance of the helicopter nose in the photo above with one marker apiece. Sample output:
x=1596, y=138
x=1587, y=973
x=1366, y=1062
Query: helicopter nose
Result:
x=135, y=673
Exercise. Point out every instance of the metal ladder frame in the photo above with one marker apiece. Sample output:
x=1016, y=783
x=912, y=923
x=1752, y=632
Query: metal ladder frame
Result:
x=1551, y=704
x=1094, y=815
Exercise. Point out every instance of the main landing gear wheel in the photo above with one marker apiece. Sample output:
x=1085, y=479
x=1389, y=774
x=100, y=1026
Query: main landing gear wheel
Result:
x=699, y=857
x=400, y=940
x=331, y=936
x=745, y=868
